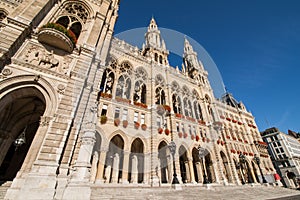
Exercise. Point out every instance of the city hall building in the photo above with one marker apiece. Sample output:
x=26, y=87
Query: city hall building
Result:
x=80, y=108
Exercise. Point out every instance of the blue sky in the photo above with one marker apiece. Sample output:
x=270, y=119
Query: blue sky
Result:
x=255, y=45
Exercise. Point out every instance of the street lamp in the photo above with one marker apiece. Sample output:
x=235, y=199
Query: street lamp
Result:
x=201, y=153
x=257, y=160
x=172, y=147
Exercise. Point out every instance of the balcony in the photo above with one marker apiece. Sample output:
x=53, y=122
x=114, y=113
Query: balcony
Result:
x=57, y=36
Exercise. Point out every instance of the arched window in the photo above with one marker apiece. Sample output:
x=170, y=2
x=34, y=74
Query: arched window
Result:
x=72, y=17
x=124, y=87
x=176, y=101
x=197, y=106
x=140, y=92
x=160, y=96
x=124, y=82
x=107, y=82
x=187, y=107
x=155, y=57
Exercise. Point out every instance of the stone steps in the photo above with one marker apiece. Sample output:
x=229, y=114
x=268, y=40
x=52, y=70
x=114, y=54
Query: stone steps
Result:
x=214, y=192
x=3, y=188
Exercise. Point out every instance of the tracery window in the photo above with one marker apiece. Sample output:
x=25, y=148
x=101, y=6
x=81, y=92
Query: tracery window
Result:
x=72, y=17
x=176, y=101
x=159, y=92
x=197, y=106
x=123, y=87
x=124, y=82
x=187, y=105
x=108, y=80
x=140, y=92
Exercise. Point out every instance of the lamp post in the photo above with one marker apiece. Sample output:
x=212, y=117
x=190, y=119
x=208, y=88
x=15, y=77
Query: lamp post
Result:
x=201, y=153
x=257, y=160
x=172, y=147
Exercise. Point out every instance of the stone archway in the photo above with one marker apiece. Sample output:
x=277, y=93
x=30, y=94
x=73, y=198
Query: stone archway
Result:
x=136, y=163
x=226, y=169
x=114, y=160
x=20, y=113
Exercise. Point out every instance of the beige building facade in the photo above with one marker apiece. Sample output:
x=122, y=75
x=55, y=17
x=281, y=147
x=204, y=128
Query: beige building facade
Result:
x=81, y=109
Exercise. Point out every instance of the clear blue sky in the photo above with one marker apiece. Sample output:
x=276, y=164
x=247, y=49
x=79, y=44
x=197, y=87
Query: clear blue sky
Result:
x=254, y=43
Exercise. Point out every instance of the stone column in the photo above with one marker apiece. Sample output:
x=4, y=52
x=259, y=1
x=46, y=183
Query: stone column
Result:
x=134, y=169
x=125, y=168
x=100, y=170
x=115, y=169
x=199, y=172
x=192, y=174
x=84, y=155
x=147, y=169
x=187, y=170
x=170, y=169
x=94, y=167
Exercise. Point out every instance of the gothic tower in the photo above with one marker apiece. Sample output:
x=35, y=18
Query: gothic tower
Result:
x=51, y=53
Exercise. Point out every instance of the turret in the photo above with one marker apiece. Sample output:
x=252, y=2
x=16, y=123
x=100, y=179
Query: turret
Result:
x=155, y=46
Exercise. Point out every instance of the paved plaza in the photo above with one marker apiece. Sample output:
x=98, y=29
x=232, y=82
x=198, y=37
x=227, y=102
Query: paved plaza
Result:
x=246, y=192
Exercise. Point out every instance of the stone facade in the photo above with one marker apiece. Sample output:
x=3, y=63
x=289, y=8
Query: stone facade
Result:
x=81, y=109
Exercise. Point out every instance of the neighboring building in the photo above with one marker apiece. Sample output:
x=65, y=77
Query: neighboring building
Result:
x=82, y=109
x=285, y=154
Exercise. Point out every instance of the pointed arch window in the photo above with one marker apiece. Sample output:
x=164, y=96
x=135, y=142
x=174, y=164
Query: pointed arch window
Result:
x=160, y=96
x=197, y=110
x=176, y=101
x=123, y=87
x=187, y=107
x=140, y=92
x=72, y=17
x=107, y=82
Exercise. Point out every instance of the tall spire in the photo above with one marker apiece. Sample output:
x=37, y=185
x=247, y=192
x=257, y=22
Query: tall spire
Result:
x=190, y=58
x=154, y=44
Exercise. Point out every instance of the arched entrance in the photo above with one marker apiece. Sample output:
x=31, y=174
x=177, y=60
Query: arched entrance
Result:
x=20, y=112
x=196, y=165
x=114, y=160
x=136, y=163
x=163, y=154
x=226, y=169
x=184, y=165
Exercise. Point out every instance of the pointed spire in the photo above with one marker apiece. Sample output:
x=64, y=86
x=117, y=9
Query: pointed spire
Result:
x=152, y=26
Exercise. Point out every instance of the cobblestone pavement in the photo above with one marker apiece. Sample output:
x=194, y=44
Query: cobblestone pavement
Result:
x=245, y=192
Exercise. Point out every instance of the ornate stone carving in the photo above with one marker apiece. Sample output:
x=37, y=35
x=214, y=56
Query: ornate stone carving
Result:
x=61, y=89
x=6, y=72
x=45, y=59
x=44, y=121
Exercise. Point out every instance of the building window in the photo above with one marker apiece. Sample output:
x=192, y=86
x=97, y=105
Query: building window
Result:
x=136, y=116
x=117, y=113
x=125, y=113
x=177, y=127
x=182, y=128
x=104, y=110
x=190, y=129
x=142, y=118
